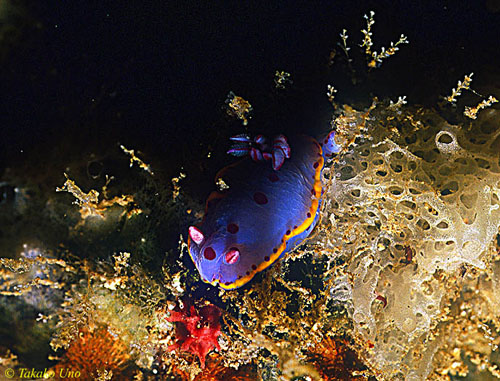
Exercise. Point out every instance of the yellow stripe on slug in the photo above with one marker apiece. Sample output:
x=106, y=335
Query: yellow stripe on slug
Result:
x=307, y=222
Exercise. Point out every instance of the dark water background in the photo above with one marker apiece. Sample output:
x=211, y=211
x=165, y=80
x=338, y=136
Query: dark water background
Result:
x=154, y=75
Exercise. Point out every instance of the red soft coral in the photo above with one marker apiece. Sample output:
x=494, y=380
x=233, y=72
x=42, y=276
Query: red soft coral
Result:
x=197, y=330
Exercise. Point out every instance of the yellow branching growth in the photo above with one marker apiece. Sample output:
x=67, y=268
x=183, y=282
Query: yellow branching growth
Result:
x=135, y=159
x=21, y=276
x=238, y=107
x=344, y=46
x=465, y=85
x=215, y=370
x=378, y=57
x=221, y=184
x=471, y=112
x=264, y=321
x=120, y=297
x=281, y=79
x=89, y=202
x=330, y=93
x=25, y=264
x=177, y=187
x=22, y=289
x=8, y=359
x=375, y=58
x=400, y=102
x=351, y=124
x=367, y=41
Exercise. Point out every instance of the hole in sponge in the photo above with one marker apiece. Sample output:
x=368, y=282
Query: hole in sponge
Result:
x=356, y=192
x=396, y=191
x=396, y=168
x=423, y=224
x=482, y=163
x=438, y=246
x=445, y=138
x=443, y=225
x=346, y=173
x=449, y=188
x=409, y=204
x=467, y=245
x=381, y=173
x=494, y=199
x=469, y=200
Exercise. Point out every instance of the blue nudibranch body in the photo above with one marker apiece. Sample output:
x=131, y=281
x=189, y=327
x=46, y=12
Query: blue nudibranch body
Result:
x=266, y=212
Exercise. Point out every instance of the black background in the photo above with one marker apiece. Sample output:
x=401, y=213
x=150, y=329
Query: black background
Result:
x=80, y=77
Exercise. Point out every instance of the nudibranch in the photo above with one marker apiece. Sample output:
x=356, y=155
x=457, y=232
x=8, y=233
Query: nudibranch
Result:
x=266, y=212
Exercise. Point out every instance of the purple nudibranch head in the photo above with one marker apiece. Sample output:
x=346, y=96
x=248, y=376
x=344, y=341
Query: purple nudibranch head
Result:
x=329, y=145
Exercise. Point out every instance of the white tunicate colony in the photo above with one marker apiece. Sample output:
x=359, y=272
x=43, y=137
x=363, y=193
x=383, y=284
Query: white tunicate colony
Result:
x=407, y=208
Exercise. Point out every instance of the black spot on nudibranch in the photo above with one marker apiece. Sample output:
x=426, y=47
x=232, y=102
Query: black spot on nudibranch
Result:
x=275, y=250
x=266, y=258
x=248, y=272
x=288, y=232
x=316, y=164
x=308, y=215
x=232, y=228
x=254, y=267
x=273, y=177
x=260, y=198
x=209, y=253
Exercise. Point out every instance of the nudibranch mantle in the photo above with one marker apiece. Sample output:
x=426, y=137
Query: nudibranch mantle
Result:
x=264, y=214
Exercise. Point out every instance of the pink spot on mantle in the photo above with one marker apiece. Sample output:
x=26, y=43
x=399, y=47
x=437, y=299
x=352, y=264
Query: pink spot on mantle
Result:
x=196, y=234
x=232, y=256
